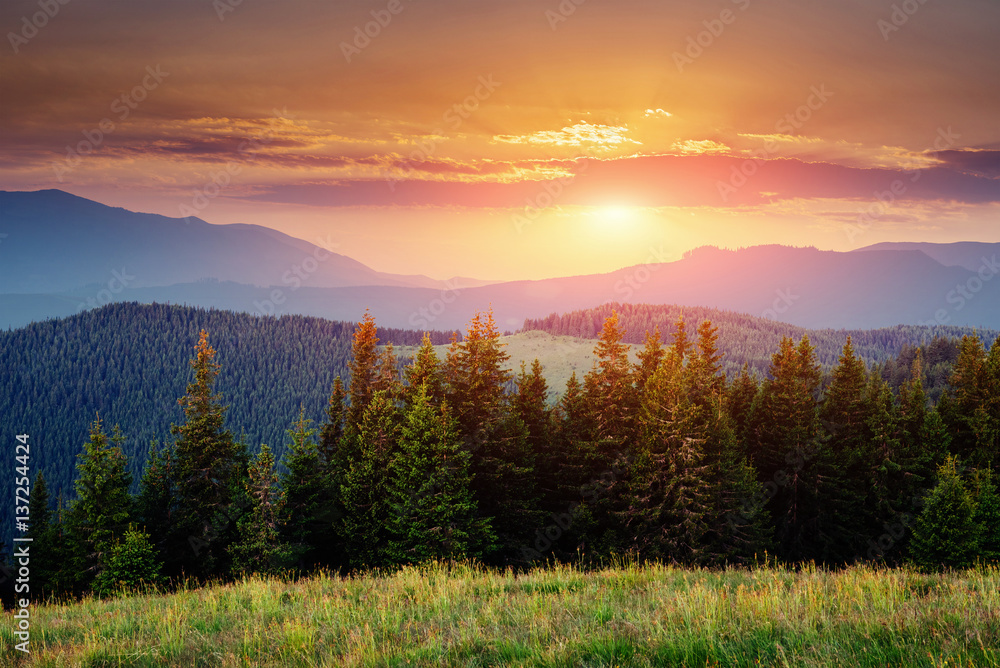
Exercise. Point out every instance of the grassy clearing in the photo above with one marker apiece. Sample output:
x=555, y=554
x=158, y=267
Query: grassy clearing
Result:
x=560, y=356
x=627, y=615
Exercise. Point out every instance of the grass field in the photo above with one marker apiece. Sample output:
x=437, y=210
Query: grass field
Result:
x=559, y=356
x=621, y=616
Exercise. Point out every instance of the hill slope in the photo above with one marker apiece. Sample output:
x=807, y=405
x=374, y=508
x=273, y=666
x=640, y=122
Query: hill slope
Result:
x=58, y=242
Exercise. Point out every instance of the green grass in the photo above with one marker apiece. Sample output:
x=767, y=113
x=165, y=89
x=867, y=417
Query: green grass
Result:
x=627, y=615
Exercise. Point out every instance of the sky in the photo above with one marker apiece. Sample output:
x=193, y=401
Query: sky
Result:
x=512, y=139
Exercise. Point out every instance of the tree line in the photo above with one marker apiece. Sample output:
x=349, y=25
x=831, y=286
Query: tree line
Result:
x=668, y=459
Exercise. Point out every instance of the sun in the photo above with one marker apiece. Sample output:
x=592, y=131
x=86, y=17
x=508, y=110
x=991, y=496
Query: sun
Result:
x=614, y=217
x=617, y=213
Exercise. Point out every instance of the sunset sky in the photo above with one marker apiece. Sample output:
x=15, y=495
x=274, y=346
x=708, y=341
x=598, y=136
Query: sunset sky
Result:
x=514, y=139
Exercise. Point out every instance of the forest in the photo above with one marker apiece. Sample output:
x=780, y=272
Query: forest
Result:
x=666, y=460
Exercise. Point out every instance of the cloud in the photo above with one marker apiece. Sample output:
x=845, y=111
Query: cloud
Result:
x=700, y=147
x=581, y=134
x=977, y=162
x=656, y=181
x=657, y=113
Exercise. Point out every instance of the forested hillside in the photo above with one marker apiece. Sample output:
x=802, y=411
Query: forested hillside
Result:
x=663, y=458
x=129, y=362
x=752, y=340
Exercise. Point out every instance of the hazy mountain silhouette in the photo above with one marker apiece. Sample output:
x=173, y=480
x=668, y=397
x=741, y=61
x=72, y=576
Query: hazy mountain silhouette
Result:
x=64, y=253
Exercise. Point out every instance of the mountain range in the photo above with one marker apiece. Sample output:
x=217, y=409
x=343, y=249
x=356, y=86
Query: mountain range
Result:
x=60, y=254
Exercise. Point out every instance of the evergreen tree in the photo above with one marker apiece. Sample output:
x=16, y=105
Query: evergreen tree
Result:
x=987, y=515
x=309, y=498
x=649, y=358
x=364, y=369
x=206, y=468
x=133, y=566
x=800, y=471
x=611, y=394
x=433, y=513
x=946, y=534
x=46, y=549
x=332, y=432
x=740, y=403
x=424, y=372
x=503, y=463
x=364, y=527
x=259, y=547
x=155, y=503
x=103, y=507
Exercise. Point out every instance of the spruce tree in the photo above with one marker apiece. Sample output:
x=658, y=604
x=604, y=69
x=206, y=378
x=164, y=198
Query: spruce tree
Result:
x=133, y=566
x=433, y=512
x=155, y=503
x=670, y=509
x=364, y=369
x=364, y=525
x=945, y=534
x=309, y=498
x=425, y=372
x=46, y=557
x=987, y=515
x=331, y=452
x=206, y=469
x=503, y=463
x=103, y=507
x=259, y=547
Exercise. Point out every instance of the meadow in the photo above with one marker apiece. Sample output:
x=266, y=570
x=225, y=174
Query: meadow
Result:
x=463, y=615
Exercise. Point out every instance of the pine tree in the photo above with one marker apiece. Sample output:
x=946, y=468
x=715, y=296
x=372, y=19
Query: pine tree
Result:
x=207, y=467
x=502, y=461
x=364, y=369
x=103, y=507
x=309, y=498
x=799, y=469
x=332, y=431
x=987, y=515
x=649, y=358
x=425, y=372
x=364, y=527
x=259, y=547
x=610, y=392
x=670, y=508
x=433, y=513
x=46, y=557
x=946, y=534
x=133, y=566
x=155, y=503
x=741, y=395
